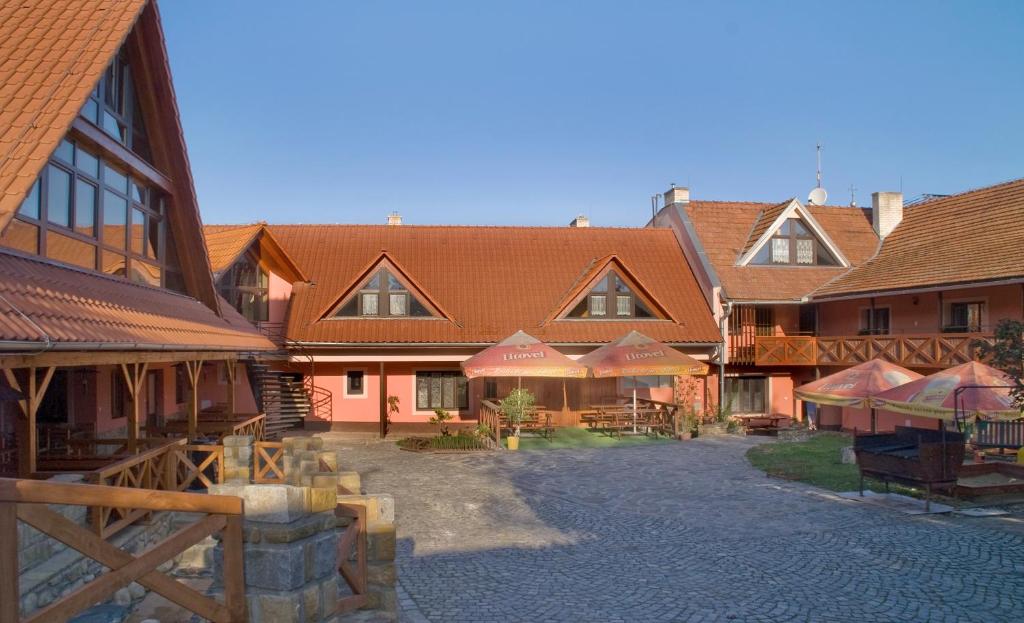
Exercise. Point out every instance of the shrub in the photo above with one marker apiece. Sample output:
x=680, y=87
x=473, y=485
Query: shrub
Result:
x=440, y=419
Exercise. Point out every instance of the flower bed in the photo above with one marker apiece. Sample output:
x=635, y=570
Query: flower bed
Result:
x=444, y=443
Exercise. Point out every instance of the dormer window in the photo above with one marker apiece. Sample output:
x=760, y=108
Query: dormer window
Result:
x=794, y=244
x=383, y=296
x=610, y=299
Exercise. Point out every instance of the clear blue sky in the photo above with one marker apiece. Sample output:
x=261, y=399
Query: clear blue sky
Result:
x=529, y=112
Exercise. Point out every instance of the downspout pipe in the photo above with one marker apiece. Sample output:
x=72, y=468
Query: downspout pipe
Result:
x=722, y=326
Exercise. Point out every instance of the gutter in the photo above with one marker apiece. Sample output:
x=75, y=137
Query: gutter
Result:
x=955, y=286
x=722, y=324
x=28, y=345
x=462, y=344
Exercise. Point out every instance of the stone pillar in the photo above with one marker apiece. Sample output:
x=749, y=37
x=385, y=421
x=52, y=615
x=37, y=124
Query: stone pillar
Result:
x=291, y=550
x=238, y=458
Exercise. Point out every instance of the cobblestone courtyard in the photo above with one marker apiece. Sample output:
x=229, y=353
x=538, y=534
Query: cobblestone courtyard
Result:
x=674, y=532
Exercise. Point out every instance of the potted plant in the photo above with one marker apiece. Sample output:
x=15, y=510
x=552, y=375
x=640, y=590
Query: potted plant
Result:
x=716, y=420
x=515, y=406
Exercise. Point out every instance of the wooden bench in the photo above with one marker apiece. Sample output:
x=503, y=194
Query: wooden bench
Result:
x=764, y=424
x=538, y=422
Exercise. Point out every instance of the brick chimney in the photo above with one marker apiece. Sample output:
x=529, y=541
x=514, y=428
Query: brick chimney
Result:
x=677, y=194
x=886, y=212
x=580, y=221
x=394, y=218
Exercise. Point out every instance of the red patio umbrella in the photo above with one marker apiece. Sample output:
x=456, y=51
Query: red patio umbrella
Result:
x=969, y=389
x=522, y=355
x=854, y=387
x=635, y=355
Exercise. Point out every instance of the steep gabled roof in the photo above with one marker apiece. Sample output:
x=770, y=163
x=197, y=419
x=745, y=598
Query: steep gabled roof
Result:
x=492, y=280
x=725, y=229
x=52, y=53
x=226, y=243
x=767, y=216
x=971, y=237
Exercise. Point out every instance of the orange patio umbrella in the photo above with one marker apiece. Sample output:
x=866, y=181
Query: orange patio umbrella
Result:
x=635, y=355
x=854, y=387
x=970, y=389
x=522, y=355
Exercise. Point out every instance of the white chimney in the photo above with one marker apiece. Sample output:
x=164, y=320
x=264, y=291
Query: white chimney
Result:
x=394, y=218
x=677, y=194
x=580, y=221
x=886, y=212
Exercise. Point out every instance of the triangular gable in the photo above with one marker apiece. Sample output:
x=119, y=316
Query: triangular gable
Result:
x=384, y=260
x=767, y=226
x=77, y=60
x=593, y=274
x=59, y=64
x=225, y=245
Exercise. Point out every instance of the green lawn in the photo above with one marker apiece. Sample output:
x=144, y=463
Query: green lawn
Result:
x=815, y=462
x=583, y=438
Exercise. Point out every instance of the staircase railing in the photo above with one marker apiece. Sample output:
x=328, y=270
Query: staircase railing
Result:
x=320, y=399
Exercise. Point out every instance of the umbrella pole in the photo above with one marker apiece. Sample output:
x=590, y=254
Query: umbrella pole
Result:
x=874, y=421
x=634, y=405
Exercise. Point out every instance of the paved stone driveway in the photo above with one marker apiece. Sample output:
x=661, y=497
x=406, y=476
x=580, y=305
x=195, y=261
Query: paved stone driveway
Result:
x=674, y=532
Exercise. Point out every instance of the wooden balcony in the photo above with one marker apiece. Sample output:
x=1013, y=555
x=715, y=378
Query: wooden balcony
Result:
x=931, y=350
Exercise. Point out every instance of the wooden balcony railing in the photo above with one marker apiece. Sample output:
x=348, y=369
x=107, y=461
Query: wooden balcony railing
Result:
x=26, y=500
x=932, y=350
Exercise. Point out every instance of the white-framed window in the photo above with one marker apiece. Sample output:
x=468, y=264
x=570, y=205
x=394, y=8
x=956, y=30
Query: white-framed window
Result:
x=355, y=383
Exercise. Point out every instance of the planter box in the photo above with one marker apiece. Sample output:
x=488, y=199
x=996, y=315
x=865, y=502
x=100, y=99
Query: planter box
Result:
x=718, y=428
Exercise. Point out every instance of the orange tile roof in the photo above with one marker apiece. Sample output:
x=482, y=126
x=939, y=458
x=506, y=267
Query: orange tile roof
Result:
x=973, y=236
x=725, y=230
x=52, y=53
x=765, y=218
x=39, y=299
x=492, y=280
x=225, y=243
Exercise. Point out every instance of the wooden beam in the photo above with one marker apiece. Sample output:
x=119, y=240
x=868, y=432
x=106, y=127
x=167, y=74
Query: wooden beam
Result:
x=230, y=368
x=45, y=492
x=194, y=369
x=234, y=570
x=113, y=150
x=10, y=599
x=100, y=358
x=50, y=523
x=28, y=435
x=134, y=374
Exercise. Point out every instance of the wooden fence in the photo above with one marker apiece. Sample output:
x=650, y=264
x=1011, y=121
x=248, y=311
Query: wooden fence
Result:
x=352, y=557
x=25, y=500
x=268, y=462
x=173, y=466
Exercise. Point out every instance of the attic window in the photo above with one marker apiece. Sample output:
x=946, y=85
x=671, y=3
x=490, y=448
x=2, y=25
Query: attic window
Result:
x=794, y=244
x=382, y=295
x=610, y=299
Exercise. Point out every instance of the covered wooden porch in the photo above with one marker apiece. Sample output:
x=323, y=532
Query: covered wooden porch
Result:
x=31, y=448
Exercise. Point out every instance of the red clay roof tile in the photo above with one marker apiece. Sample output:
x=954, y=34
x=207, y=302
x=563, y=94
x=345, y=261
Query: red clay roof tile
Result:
x=492, y=280
x=39, y=300
x=973, y=236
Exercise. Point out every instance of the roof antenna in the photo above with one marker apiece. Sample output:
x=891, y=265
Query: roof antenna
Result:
x=853, y=196
x=818, y=196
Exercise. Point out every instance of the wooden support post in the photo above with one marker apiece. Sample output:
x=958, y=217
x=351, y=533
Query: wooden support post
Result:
x=230, y=369
x=194, y=369
x=10, y=600
x=134, y=375
x=28, y=435
x=383, y=402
